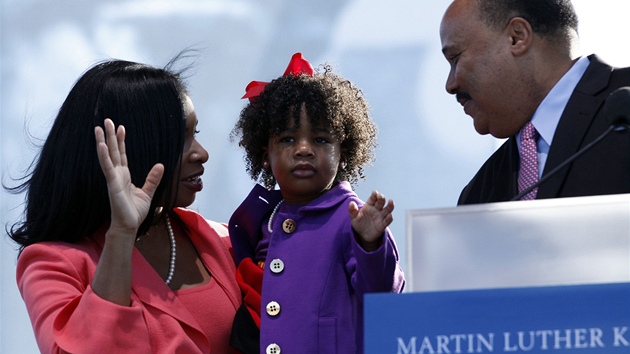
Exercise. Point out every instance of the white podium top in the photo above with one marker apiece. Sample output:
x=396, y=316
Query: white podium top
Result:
x=583, y=240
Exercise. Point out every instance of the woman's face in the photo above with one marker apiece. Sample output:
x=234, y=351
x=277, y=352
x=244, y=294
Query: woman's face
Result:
x=188, y=181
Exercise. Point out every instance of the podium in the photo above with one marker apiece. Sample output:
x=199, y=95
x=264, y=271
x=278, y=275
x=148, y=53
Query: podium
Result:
x=536, y=276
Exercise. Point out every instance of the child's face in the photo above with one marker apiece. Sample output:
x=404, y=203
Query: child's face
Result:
x=303, y=160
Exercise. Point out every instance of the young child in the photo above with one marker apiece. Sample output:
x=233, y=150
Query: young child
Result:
x=309, y=251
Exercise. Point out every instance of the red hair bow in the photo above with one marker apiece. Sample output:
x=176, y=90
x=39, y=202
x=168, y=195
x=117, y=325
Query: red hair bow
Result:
x=297, y=66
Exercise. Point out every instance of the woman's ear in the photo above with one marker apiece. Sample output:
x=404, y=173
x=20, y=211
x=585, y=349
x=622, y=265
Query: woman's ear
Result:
x=521, y=34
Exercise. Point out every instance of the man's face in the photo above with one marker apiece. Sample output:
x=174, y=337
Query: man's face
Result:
x=483, y=74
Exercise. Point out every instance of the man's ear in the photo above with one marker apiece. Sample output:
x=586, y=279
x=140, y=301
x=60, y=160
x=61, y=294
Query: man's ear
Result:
x=521, y=34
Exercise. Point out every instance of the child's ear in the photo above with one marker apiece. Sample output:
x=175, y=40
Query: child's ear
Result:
x=342, y=160
x=265, y=158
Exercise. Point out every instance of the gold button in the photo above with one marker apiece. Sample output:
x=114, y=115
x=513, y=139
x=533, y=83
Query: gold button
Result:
x=289, y=226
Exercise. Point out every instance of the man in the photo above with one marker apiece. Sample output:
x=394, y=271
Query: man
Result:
x=515, y=62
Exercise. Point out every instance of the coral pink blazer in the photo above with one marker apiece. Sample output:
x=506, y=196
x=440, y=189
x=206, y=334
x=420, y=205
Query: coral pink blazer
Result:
x=67, y=316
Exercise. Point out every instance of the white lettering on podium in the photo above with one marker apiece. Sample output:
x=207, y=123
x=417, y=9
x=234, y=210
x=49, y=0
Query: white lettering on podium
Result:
x=528, y=341
x=407, y=349
x=535, y=341
x=559, y=338
x=443, y=344
x=620, y=339
x=596, y=337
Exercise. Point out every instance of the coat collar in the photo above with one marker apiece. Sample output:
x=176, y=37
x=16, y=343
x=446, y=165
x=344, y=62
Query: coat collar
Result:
x=246, y=221
x=337, y=194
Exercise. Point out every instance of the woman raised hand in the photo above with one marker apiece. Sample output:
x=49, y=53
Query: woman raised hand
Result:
x=129, y=204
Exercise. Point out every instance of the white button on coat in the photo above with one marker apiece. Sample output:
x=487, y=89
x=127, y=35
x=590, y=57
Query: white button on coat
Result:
x=273, y=348
x=276, y=266
x=273, y=308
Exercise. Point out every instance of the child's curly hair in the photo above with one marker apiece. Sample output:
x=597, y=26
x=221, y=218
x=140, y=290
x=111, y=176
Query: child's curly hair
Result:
x=328, y=98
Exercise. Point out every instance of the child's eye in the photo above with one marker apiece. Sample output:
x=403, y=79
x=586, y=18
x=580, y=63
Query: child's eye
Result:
x=286, y=139
x=322, y=140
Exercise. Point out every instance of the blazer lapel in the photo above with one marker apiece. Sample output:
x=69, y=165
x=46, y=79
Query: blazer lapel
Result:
x=213, y=252
x=152, y=291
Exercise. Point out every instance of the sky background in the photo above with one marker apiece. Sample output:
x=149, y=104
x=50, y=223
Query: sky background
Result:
x=391, y=49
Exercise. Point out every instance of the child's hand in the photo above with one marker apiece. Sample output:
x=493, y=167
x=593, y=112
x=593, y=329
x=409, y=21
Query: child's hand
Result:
x=370, y=221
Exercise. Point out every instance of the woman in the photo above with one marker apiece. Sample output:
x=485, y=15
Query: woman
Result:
x=106, y=266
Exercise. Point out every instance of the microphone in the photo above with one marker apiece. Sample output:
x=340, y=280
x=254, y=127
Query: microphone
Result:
x=617, y=107
x=617, y=112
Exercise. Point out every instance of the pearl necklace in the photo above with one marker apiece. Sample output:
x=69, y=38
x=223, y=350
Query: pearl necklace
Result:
x=171, y=266
x=171, y=235
x=273, y=213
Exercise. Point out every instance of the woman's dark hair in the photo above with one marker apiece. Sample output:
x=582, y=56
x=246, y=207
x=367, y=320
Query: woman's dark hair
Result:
x=548, y=18
x=66, y=192
x=329, y=100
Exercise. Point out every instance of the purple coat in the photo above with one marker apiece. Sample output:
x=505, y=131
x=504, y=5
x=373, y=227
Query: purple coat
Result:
x=315, y=276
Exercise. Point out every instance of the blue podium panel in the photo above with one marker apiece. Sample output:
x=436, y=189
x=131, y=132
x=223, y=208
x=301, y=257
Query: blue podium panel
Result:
x=558, y=319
